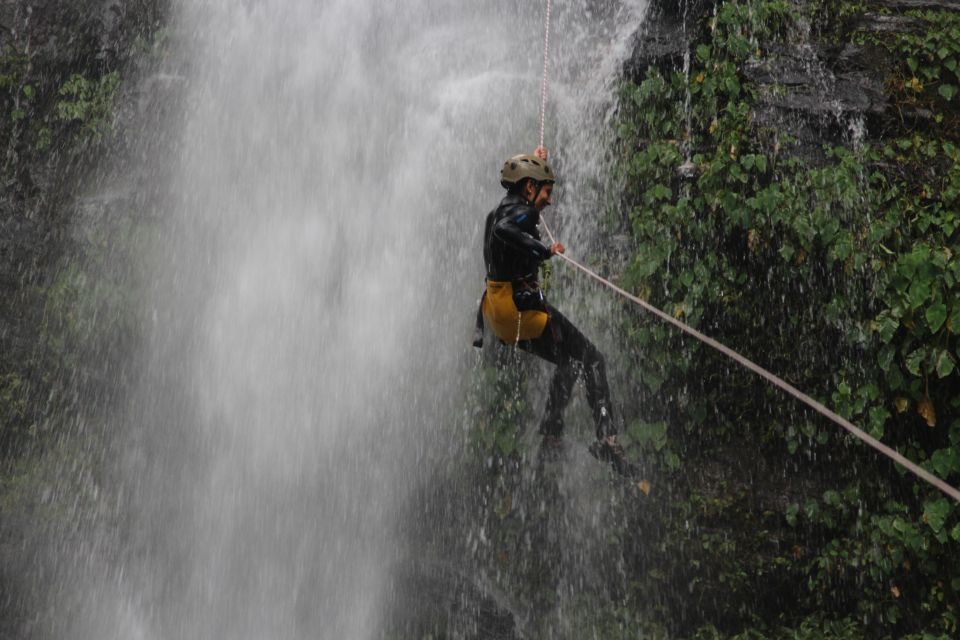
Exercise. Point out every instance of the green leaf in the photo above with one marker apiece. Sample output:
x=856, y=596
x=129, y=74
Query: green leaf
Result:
x=944, y=363
x=832, y=498
x=888, y=325
x=662, y=192
x=935, y=513
x=794, y=509
x=913, y=63
x=885, y=524
x=672, y=461
x=943, y=52
x=878, y=421
x=919, y=292
x=649, y=433
x=953, y=326
x=893, y=614
x=945, y=461
x=732, y=85
x=506, y=442
x=936, y=315
x=955, y=534
x=915, y=361
x=948, y=91
x=703, y=52
x=885, y=357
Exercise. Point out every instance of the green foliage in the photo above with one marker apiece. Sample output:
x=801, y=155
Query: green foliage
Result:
x=500, y=406
x=842, y=277
x=90, y=306
x=88, y=104
x=15, y=416
x=151, y=45
x=812, y=628
x=927, y=74
x=932, y=56
x=15, y=94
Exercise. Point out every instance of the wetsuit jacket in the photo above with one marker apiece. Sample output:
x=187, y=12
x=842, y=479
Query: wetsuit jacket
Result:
x=512, y=249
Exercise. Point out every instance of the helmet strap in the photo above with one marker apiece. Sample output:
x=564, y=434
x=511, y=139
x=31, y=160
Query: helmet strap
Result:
x=536, y=193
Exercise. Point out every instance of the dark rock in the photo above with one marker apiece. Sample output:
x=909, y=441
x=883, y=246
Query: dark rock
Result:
x=885, y=23
x=800, y=80
x=801, y=92
x=446, y=596
x=664, y=39
x=43, y=43
x=917, y=5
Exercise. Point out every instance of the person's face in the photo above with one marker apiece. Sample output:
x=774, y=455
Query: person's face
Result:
x=542, y=197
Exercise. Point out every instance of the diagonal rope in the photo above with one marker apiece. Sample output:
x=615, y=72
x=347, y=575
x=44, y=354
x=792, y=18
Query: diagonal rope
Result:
x=546, y=67
x=769, y=377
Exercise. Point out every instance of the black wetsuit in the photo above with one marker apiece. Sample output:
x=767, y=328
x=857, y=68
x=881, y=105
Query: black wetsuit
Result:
x=512, y=250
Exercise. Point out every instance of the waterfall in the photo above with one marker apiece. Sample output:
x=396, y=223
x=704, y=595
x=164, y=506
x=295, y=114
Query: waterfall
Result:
x=315, y=279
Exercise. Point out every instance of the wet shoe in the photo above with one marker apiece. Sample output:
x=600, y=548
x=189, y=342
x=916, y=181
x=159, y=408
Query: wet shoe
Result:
x=604, y=422
x=611, y=451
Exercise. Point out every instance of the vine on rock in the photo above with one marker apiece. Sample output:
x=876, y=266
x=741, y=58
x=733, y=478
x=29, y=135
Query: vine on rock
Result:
x=842, y=275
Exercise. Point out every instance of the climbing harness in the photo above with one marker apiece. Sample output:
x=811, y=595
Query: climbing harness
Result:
x=763, y=373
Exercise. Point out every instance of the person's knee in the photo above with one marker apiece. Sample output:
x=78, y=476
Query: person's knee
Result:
x=594, y=359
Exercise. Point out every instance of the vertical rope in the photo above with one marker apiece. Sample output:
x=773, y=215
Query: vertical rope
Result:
x=546, y=67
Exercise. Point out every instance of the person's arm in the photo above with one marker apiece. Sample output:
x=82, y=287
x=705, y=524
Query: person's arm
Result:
x=509, y=230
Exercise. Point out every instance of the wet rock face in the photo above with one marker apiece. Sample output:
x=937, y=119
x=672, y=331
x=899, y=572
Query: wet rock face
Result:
x=50, y=169
x=43, y=43
x=922, y=5
x=68, y=34
x=664, y=38
x=817, y=90
x=802, y=91
x=447, y=598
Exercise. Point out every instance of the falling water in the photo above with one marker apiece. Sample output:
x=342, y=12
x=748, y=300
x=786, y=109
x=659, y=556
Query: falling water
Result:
x=314, y=284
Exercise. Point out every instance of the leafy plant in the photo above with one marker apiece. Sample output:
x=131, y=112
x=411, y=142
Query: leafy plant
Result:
x=88, y=104
x=842, y=277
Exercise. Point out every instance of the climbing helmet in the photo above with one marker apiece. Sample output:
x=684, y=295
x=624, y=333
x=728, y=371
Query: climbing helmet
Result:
x=525, y=166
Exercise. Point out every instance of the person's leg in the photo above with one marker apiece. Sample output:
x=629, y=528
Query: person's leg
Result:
x=561, y=388
x=549, y=347
x=575, y=346
x=565, y=346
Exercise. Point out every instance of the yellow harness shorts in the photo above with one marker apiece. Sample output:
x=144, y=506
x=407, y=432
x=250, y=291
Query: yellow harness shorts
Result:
x=510, y=324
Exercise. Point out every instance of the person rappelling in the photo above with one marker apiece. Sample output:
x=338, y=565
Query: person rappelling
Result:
x=514, y=306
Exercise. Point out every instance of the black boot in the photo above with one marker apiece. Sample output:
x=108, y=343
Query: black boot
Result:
x=603, y=418
x=609, y=450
